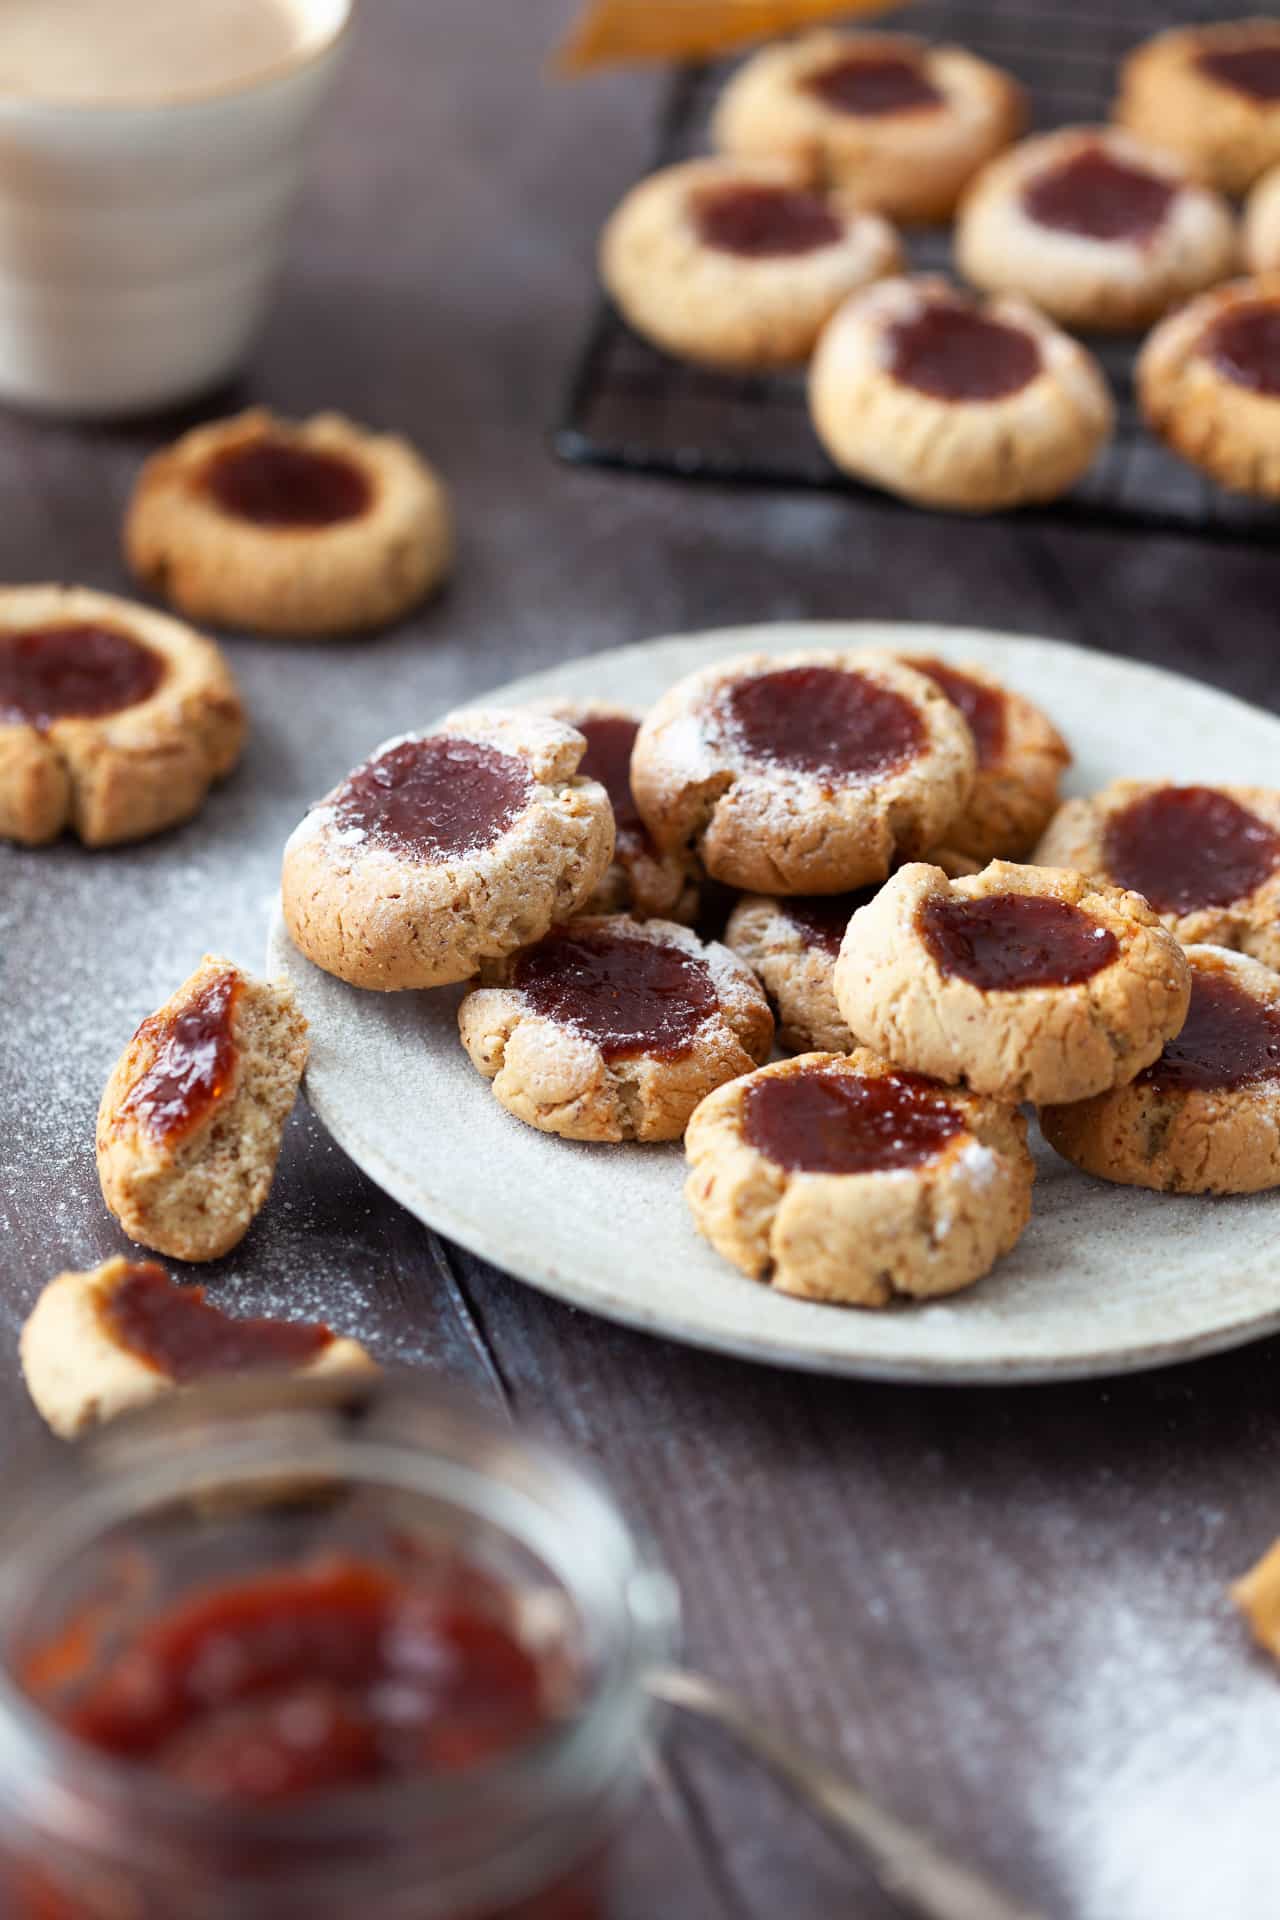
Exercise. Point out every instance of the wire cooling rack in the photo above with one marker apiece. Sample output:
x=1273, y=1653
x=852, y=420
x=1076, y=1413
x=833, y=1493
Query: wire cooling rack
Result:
x=631, y=407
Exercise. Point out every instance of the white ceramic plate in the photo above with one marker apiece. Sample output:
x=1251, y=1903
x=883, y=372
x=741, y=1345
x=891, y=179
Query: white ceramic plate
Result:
x=1106, y=1279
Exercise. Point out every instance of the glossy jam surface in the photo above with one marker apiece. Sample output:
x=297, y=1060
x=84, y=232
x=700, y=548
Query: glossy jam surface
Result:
x=434, y=798
x=951, y=352
x=193, y=1062
x=874, y=84
x=1229, y=1040
x=625, y=995
x=610, y=738
x=1254, y=71
x=1099, y=197
x=1012, y=940
x=1185, y=848
x=176, y=1331
x=1245, y=345
x=823, y=917
x=762, y=222
x=983, y=707
x=276, y=483
x=841, y=1123
x=820, y=720
x=74, y=671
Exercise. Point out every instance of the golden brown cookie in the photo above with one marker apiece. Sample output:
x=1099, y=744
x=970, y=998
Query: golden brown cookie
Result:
x=1262, y=225
x=841, y=1179
x=1210, y=94
x=310, y=527
x=1209, y=384
x=918, y=388
x=1026, y=983
x=901, y=124
x=1257, y=1594
x=114, y=720
x=790, y=942
x=614, y=1029
x=1205, y=1116
x=192, y=1117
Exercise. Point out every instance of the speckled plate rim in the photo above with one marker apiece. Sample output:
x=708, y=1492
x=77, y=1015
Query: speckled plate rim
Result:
x=1251, y=1310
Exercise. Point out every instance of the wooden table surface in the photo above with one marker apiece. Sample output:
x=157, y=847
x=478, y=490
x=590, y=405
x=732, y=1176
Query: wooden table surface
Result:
x=1004, y=1609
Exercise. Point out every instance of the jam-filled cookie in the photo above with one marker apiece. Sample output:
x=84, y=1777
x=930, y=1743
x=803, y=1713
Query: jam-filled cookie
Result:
x=613, y=1028
x=192, y=1117
x=1205, y=1116
x=844, y=1180
x=901, y=124
x=1027, y=983
x=1210, y=94
x=807, y=772
x=1209, y=384
x=114, y=720
x=790, y=942
x=1206, y=859
x=99, y=1343
x=445, y=849
x=1097, y=228
x=312, y=527
x=1262, y=225
x=918, y=388
x=739, y=263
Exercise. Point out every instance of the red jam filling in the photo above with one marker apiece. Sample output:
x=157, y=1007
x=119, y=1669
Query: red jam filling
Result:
x=276, y=483
x=1099, y=197
x=874, y=84
x=1185, y=848
x=825, y=721
x=625, y=995
x=823, y=917
x=1012, y=940
x=610, y=738
x=760, y=222
x=435, y=797
x=1229, y=1040
x=1245, y=345
x=842, y=1123
x=983, y=707
x=74, y=671
x=1251, y=70
x=193, y=1063
x=951, y=352
x=176, y=1331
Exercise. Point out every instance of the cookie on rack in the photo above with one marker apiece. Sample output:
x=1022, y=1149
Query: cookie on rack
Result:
x=614, y=1029
x=841, y=1179
x=309, y=527
x=1210, y=94
x=901, y=124
x=942, y=399
x=192, y=1117
x=445, y=849
x=739, y=263
x=1025, y=983
x=1209, y=384
x=1098, y=229
x=114, y=720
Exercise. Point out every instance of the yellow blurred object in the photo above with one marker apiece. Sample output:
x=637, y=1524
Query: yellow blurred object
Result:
x=1257, y=1595
x=615, y=30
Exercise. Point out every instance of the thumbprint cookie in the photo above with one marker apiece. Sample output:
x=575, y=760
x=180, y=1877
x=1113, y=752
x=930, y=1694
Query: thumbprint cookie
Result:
x=805, y=772
x=114, y=720
x=314, y=527
x=614, y=1029
x=1026, y=983
x=1262, y=225
x=1209, y=384
x=739, y=263
x=844, y=1180
x=445, y=849
x=1097, y=228
x=1205, y=1116
x=98, y=1344
x=192, y=1117
x=901, y=124
x=1210, y=94
x=950, y=402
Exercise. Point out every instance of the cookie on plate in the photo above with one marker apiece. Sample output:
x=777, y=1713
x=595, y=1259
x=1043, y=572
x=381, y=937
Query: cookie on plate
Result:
x=806, y=772
x=1097, y=228
x=114, y=720
x=1205, y=1116
x=1209, y=384
x=445, y=849
x=192, y=1117
x=1026, y=983
x=1210, y=94
x=739, y=263
x=790, y=942
x=100, y=1343
x=841, y=1179
x=310, y=527
x=901, y=124
x=941, y=399
x=614, y=1029
x=1207, y=859
x=1262, y=225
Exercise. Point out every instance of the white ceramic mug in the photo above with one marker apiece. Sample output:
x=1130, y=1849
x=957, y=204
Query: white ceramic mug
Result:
x=138, y=243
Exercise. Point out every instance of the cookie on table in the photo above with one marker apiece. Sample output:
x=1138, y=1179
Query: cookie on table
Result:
x=739, y=263
x=805, y=772
x=1262, y=225
x=1205, y=1116
x=614, y=1029
x=310, y=527
x=901, y=124
x=1206, y=859
x=1210, y=94
x=1026, y=983
x=1100, y=230
x=445, y=849
x=97, y=1344
x=841, y=1179
x=191, y=1121
x=951, y=402
x=114, y=720
x=1209, y=384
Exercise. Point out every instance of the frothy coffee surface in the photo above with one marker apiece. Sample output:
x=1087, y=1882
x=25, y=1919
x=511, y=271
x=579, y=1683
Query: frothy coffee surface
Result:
x=116, y=52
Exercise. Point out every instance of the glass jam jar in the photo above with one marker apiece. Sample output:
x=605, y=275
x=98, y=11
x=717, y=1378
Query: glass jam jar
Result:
x=319, y=1649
